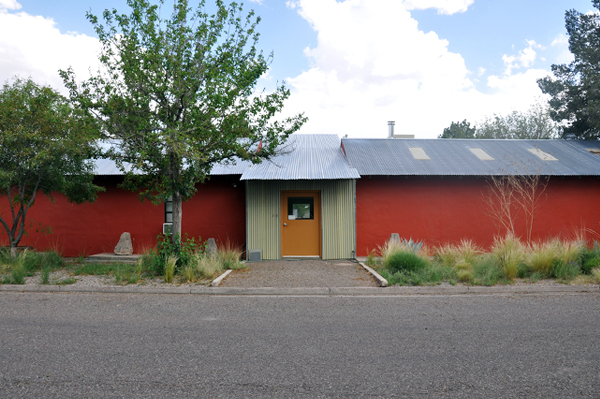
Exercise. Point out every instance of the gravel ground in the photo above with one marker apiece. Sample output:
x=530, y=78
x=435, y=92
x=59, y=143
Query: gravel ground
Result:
x=103, y=281
x=301, y=273
x=280, y=273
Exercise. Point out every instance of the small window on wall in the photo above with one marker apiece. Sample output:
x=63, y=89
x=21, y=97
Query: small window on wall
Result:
x=300, y=208
x=169, y=210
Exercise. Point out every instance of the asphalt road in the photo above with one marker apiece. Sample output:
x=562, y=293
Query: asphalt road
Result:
x=164, y=346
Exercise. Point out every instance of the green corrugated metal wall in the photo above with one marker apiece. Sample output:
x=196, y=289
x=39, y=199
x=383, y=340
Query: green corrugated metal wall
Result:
x=338, y=216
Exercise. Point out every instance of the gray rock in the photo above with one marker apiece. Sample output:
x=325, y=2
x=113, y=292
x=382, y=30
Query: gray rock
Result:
x=211, y=247
x=394, y=239
x=124, y=247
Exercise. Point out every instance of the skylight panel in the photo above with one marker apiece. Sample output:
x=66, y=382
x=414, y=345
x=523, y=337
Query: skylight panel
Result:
x=419, y=153
x=544, y=156
x=481, y=154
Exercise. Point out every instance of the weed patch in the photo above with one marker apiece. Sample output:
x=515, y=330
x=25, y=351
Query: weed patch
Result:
x=45, y=275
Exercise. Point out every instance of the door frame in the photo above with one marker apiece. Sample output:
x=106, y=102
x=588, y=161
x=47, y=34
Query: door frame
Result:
x=318, y=203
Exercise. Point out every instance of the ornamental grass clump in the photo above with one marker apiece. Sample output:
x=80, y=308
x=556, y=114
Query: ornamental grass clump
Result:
x=446, y=255
x=230, y=257
x=509, y=253
x=465, y=252
x=18, y=271
x=170, y=265
x=464, y=271
x=541, y=257
x=207, y=266
x=558, y=258
x=188, y=273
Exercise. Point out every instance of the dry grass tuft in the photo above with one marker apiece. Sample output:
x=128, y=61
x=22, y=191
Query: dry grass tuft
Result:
x=596, y=275
x=509, y=252
x=230, y=256
x=208, y=266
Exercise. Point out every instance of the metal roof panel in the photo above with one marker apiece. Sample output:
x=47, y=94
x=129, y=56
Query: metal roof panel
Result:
x=305, y=157
x=454, y=157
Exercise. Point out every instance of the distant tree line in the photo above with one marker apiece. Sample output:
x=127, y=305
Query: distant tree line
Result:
x=535, y=123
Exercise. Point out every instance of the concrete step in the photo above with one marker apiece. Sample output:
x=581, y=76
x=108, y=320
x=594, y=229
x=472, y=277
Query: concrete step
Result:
x=108, y=257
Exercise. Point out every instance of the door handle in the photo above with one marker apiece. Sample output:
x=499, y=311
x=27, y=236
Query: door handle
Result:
x=285, y=224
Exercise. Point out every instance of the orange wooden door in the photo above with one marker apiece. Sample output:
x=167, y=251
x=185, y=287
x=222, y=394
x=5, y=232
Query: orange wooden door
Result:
x=301, y=223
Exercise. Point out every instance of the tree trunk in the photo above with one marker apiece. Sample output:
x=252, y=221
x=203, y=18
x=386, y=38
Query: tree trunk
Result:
x=177, y=214
x=13, y=251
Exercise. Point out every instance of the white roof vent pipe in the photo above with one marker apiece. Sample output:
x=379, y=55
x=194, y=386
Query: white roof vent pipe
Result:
x=391, y=129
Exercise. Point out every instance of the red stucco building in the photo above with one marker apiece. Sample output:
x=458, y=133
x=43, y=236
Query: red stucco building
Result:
x=431, y=190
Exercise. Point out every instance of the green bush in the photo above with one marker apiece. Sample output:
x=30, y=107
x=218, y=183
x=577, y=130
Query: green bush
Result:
x=404, y=261
x=590, y=258
x=565, y=271
x=152, y=263
x=432, y=275
x=184, y=249
x=487, y=271
x=589, y=264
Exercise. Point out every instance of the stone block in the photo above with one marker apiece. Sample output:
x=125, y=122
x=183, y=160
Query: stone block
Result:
x=394, y=239
x=124, y=247
x=211, y=247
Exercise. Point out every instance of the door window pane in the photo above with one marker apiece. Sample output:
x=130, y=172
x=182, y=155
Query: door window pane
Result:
x=301, y=208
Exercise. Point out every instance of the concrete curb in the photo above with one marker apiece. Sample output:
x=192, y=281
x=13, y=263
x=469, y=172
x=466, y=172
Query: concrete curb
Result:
x=382, y=282
x=306, y=291
x=218, y=280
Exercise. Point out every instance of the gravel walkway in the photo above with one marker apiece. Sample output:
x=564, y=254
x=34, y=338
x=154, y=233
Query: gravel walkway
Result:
x=301, y=273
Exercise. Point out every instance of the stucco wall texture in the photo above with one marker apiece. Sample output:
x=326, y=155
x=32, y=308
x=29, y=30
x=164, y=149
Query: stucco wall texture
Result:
x=446, y=210
x=217, y=210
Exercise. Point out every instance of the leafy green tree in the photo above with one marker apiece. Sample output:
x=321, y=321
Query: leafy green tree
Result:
x=180, y=95
x=45, y=145
x=534, y=123
x=458, y=130
x=575, y=88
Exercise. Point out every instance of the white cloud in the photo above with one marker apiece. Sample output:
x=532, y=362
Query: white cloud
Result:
x=32, y=46
x=443, y=6
x=256, y=1
x=524, y=59
x=9, y=5
x=372, y=64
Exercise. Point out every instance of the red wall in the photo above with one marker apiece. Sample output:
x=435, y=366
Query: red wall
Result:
x=447, y=210
x=217, y=210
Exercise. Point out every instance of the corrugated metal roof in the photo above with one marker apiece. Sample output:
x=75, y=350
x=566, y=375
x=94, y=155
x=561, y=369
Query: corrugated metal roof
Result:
x=105, y=167
x=108, y=167
x=305, y=157
x=451, y=157
x=235, y=167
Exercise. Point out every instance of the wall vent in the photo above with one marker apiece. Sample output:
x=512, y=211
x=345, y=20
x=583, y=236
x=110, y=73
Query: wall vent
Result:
x=255, y=255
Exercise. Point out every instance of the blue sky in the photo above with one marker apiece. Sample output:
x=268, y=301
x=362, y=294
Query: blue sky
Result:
x=351, y=65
